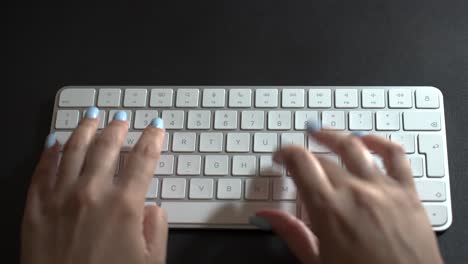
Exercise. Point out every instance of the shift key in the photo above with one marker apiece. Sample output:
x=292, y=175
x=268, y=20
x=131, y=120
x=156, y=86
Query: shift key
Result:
x=432, y=146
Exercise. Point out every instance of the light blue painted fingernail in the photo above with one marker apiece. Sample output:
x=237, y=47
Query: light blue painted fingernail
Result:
x=121, y=116
x=260, y=222
x=92, y=112
x=359, y=133
x=50, y=141
x=313, y=126
x=157, y=122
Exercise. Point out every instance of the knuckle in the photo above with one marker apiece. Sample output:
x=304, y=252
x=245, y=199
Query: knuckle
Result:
x=124, y=206
x=84, y=198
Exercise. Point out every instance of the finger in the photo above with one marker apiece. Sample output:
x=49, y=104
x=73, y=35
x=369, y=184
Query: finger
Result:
x=155, y=231
x=141, y=161
x=394, y=157
x=332, y=168
x=302, y=242
x=75, y=149
x=104, y=153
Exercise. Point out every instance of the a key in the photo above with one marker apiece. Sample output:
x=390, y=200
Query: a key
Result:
x=225, y=119
x=360, y=120
x=189, y=165
x=183, y=141
x=437, y=214
x=143, y=118
x=199, y=119
x=201, y=188
x=320, y=98
x=333, y=120
x=292, y=139
x=400, y=98
x=165, y=165
x=135, y=97
x=373, y=98
x=244, y=165
x=173, y=119
x=316, y=147
x=427, y=98
x=211, y=142
x=284, y=189
x=109, y=97
x=240, y=98
x=270, y=168
x=301, y=117
x=266, y=98
x=257, y=189
x=165, y=146
x=173, y=188
x=130, y=140
x=214, y=98
x=152, y=191
x=77, y=97
x=187, y=97
x=386, y=120
x=102, y=118
x=265, y=142
x=431, y=191
x=62, y=136
x=252, y=120
x=346, y=98
x=292, y=98
x=432, y=146
x=229, y=189
x=216, y=165
x=113, y=112
x=421, y=120
x=416, y=164
x=238, y=142
x=67, y=119
x=161, y=97
x=279, y=120
x=406, y=140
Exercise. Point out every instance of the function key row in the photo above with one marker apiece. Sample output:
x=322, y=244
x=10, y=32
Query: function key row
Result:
x=246, y=98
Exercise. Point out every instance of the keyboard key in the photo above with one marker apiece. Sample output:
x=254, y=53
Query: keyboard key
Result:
x=211, y=142
x=229, y=189
x=432, y=146
x=406, y=140
x=62, y=136
x=135, y=97
x=284, y=189
x=188, y=165
x=346, y=98
x=244, y=165
x=109, y=97
x=416, y=164
x=257, y=189
x=431, y=191
x=225, y=119
x=240, y=98
x=360, y=120
x=333, y=120
x=427, y=98
x=173, y=188
x=67, y=119
x=165, y=146
x=279, y=120
x=173, y=119
x=187, y=97
x=316, y=147
x=400, y=98
x=252, y=120
x=153, y=189
x=102, y=118
x=114, y=111
x=130, y=140
x=183, y=142
x=143, y=118
x=77, y=97
x=165, y=165
x=426, y=120
x=373, y=98
x=270, y=168
x=293, y=98
x=214, y=98
x=199, y=119
x=292, y=139
x=386, y=120
x=266, y=98
x=201, y=189
x=265, y=142
x=216, y=165
x=301, y=117
x=437, y=214
x=161, y=97
x=238, y=142
x=320, y=98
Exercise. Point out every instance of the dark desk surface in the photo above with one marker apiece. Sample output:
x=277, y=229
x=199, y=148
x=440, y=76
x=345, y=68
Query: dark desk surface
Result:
x=238, y=42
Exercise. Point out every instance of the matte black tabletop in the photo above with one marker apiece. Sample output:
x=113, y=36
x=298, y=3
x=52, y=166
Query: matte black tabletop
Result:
x=358, y=42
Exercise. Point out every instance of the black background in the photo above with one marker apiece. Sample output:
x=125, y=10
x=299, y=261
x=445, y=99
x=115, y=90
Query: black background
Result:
x=332, y=42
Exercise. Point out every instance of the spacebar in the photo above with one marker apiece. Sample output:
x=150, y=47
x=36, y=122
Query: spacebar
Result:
x=219, y=213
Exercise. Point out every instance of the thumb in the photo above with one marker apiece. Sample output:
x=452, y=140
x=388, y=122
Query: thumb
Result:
x=302, y=242
x=155, y=232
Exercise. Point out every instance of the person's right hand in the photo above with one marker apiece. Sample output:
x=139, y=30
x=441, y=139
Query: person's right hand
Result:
x=358, y=214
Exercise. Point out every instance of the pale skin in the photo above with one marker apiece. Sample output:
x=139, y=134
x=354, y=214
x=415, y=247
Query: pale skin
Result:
x=78, y=213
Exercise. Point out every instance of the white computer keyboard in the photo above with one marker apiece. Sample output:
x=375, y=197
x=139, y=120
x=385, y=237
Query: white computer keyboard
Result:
x=216, y=169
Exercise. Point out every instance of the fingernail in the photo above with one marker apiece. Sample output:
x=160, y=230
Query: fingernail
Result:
x=313, y=126
x=359, y=133
x=92, y=112
x=260, y=222
x=157, y=122
x=50, y=141
x=121, y=116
